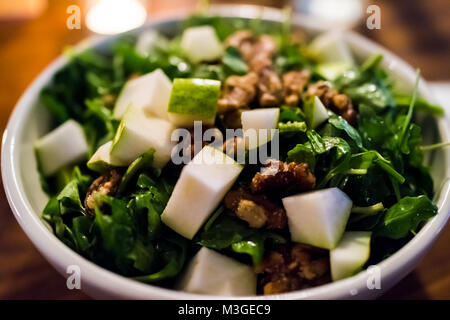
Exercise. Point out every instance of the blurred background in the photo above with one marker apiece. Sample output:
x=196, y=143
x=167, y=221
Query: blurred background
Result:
x=34, y=32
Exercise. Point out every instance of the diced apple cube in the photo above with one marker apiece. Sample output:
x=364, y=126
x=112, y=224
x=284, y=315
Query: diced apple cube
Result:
x=137, y=133
x=150, y=92
x=318, y=218
x=331, y=47
x=201, y=187
x=63, y=146
x=257, y=125
x=212, y=273
x=350, y=255
x=102, y=161
x=193, y=100
x=315, y=112
x=201, y=44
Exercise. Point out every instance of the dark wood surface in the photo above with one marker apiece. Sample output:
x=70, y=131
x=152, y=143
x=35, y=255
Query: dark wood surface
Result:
x=418, y=31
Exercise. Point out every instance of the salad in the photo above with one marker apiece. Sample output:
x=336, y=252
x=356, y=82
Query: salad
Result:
x=236, y=157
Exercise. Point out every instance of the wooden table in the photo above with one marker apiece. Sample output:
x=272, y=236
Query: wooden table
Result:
x=417, y=30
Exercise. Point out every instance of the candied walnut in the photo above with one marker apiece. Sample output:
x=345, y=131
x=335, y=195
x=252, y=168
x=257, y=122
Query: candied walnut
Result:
x=238, y=92
x=294, y=83
x=293, y=267
x=243, y=40
x=232, y=119
x=252, y=213
x=270, y=88
x=106, y=184
x=339, y=103
x=285, y=177
x=275, y=215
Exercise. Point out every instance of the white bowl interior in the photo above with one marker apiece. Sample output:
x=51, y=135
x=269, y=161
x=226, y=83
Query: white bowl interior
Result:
x=30, y=120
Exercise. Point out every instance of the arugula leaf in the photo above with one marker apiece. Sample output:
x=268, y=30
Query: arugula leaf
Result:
x=143, y=162
x=232, y=59
x=406, y=216
x=342, y=124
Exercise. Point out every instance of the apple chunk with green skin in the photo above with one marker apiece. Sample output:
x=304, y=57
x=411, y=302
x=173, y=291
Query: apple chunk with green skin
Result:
x=150, y=91
x=257, y=125
x=350, y=255
x=330, y=47
x=137, y=133
x=102, y=160
x=212, y=273
x=193, y=100
x=315, y=112
x=63, y=146
x=318, y=218
x=203, y=183
x=201, y=44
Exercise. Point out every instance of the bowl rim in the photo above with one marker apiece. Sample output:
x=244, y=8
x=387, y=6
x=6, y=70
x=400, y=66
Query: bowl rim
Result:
x=105, y=281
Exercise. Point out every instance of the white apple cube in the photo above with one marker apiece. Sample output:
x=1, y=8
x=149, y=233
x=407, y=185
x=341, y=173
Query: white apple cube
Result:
x=147, y=41
x=258, y=125
x=318, y=218
x=137, y=133
x=315, y=112
x=203, y=183
x=212, y=273
x=151, y=92
x=350, y=255
x=63, y=146
x=201, y=44
x=102, y=160
x=331, y=47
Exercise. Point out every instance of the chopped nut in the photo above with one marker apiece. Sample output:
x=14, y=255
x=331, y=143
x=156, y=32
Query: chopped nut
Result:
x=252, y=213
x=283, y=177
x=270, y=88
x=294, y=83
x=106, y=184
x=339, y=103
x=293, y=267
x=275, y=214
x=232, y=119
x=238, y=92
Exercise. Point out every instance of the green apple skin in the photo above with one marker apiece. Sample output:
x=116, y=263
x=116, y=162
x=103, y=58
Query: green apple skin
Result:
x=330, y=47
x=349, y=257
x=193, y=99
x=137, y=133
x=61, y=147
x=212, y=273
x=318, y=218
x=201, y=44
x=150, y=92
x=102, y=161
x=259, y=120
x=203, y=183
x=315, y=112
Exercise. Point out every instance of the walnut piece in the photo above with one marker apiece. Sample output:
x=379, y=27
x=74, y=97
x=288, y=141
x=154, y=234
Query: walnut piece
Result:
x=283, y=177
x=294, y=83
x=106, y=184
x=275, y=215
x=331, y=99
x=293, y=267
x=238, y=92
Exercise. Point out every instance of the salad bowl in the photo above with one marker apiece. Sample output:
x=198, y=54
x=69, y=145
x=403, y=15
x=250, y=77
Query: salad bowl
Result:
x=30, y=120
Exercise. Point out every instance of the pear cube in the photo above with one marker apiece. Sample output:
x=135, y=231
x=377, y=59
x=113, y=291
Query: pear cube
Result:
x=318, y=218
x=102, y=160
x=258, y=125
x=63, y=146
x=201, y=44
x=138, y=133
x=193, y=100
x=203, y=183
x=331, y=47
x=150, y=91
x=350, y=255
x=212, y=273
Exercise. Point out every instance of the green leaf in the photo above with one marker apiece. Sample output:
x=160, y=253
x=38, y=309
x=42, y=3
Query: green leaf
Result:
x=232, y=59
x=342, y=124
x=145, y=161
x=406, y=216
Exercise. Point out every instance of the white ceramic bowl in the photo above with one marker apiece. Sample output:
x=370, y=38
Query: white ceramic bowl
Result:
x=30, y=120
